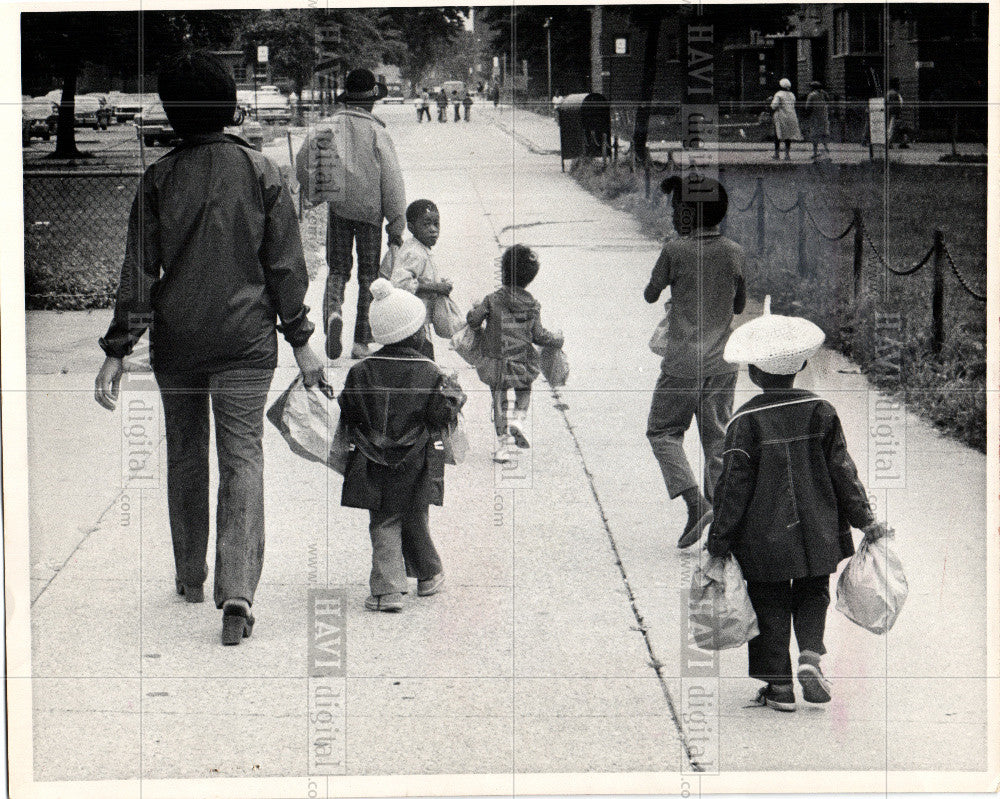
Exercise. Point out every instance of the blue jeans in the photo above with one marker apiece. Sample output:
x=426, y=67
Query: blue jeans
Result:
x=237, y=398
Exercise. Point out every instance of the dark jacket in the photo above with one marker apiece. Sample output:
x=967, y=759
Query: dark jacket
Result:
x=789, y=492
x=513, y=328
x=394, y=406
x=213, y=255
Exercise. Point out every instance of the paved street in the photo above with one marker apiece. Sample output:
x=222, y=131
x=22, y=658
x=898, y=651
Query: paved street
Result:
x=557, y=645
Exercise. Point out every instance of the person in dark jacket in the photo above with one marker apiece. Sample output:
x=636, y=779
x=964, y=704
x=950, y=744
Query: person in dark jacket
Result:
x=785, y=504
x=395, y=405
x=213, y=258
x=509, y=358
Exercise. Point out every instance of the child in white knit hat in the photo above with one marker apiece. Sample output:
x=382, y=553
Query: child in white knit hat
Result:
x=785, y=504
x=395, y=405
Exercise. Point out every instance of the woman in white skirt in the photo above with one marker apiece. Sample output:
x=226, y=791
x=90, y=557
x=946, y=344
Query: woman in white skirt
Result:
x=786, y=123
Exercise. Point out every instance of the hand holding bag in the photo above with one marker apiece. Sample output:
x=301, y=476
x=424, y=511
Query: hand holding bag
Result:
x=872, y=587
x=456, y=443
x=466, y=343
x=554, y=365
x=719, y=610
x=445, y=317
x=308, y=418
x=658, y=341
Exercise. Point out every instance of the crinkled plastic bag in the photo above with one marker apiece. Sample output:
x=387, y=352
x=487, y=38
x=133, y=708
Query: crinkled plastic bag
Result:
x=456, y=443
x=872, y=587
x=658, y=341
x=446, y=318
x=309, y=421
x=554, y=365
x=466, y=343
x=720, y=615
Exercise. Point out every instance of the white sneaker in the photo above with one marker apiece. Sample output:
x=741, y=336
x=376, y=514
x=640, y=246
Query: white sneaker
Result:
x=502, y=448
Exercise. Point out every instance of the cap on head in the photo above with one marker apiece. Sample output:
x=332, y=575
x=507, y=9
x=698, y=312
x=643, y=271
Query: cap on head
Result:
x=779, y=345
x=198, y=93
x=395, y=314
x=785, y=83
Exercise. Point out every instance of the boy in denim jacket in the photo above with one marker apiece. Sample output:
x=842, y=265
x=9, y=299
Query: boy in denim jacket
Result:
x=785, y=504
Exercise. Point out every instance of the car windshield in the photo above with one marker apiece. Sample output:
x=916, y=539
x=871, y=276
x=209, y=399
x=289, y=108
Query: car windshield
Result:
x=38, y=109
x=153, y=111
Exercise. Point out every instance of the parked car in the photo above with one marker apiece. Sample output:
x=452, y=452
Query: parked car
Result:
x=152, y=126
x=39, y=119
x=128, y=105
x=89, y=113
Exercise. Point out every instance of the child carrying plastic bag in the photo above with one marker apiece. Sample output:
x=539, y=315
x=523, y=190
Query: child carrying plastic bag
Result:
x=872, y=587
x=309, y=421
x=719, y=610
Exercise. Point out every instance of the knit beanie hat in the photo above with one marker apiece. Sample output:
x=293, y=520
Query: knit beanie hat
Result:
x=779, y=345
x=395, y=314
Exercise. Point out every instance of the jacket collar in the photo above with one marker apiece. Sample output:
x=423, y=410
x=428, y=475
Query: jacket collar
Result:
x=350, y=110
x=399, y=350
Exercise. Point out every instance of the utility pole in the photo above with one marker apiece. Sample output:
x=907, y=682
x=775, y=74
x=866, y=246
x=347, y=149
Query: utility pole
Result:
x=596, y=62
x=548, y=54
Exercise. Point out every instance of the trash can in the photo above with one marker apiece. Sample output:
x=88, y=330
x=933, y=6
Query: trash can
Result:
x=584, y=126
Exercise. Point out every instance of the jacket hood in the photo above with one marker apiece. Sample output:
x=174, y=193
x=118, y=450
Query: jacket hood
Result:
x=515, y=299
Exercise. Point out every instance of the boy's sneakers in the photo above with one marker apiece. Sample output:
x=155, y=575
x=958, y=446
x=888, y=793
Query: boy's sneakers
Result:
x=502, y=449
x=779, y=697
x=431, y=585
x=516, y=430
x=334, y=327
x=387, y=603
x=815, y=687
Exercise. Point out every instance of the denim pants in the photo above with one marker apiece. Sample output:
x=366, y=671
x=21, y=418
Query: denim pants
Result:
x=800, y=604
x=675, y=401
x=237, y=398
x=401, y=548
x=501, y=402
x=366, y=238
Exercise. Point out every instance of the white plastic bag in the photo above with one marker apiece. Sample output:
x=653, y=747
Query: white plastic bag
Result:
x=872, y=587
x=658, y=341
x=309, y=421
x=719, y=611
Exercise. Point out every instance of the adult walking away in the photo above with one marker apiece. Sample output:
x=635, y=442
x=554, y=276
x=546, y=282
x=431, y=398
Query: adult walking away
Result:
x=467, y=106
x=424, y=106
x=818, y=118
x=894, y=116
x=372, y=190
x=442, y=104
x=458, y=105
x=213, y=256
x=786, y=123
x=704, y=271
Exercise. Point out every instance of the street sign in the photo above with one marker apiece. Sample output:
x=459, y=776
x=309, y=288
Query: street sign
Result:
x=262, y=54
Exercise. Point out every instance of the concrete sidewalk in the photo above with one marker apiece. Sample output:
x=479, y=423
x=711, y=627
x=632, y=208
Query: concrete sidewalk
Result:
x=557, y=645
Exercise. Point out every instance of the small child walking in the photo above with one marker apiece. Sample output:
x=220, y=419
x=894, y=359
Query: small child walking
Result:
x=510, y=360
x=704, y=271
x=413, y=267
x=394, y=405
x=785, y=504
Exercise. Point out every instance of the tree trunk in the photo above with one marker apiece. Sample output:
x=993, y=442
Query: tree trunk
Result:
x=299, y=88
x=596, y=62
x=640, y=136
x=66, y=126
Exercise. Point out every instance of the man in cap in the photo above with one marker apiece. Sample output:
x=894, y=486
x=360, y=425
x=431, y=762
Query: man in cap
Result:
x=362, y=184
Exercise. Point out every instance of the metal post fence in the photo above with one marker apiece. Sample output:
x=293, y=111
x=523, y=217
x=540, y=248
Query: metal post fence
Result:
x=937, y=294
x=859, y=252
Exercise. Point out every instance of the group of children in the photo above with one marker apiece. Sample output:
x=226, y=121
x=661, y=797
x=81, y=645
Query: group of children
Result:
x=780, y=491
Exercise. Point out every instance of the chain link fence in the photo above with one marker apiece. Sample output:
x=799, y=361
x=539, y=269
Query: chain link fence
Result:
x=74, y=236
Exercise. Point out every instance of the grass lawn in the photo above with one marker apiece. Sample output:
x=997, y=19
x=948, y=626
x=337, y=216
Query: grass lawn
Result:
x=900, y=208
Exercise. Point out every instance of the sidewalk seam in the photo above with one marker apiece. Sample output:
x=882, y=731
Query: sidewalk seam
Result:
x=654, y=662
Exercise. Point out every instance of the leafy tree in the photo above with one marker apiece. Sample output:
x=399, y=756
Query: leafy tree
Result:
x=427, y=34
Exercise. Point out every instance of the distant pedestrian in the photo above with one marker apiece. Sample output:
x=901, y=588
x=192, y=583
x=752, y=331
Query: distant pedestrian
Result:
x=213, y=260
x=394, y=406
x=372, y=191
x=785, y=504
x=442, y=104
x=467, y=105
x=424, y=106
x=786, y=122
x=510, y=360
x=896, y=131
x=413, y=267
x=457, y=102
x=704, y=271
x=818, y=117
x=496, y=94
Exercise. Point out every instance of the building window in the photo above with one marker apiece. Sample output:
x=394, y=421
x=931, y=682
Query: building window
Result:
x=621, y=45
x=857, y=31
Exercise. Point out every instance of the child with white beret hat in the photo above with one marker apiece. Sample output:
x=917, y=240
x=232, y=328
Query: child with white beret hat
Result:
x=785, y=504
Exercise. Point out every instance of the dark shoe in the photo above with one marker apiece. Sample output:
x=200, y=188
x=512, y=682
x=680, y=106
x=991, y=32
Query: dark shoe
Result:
x=359, y=351
x=520, y=439
x=815, y=687
x=431, y=585
x=694, y=528
x=334, y=327
x=387, y=603
x=192, y=593
x=237, y=624
x=779, y=697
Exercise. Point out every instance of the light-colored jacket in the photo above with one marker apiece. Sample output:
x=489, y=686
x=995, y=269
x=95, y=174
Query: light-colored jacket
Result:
x=412, y=267
x=373, y=183
x=786, y=123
